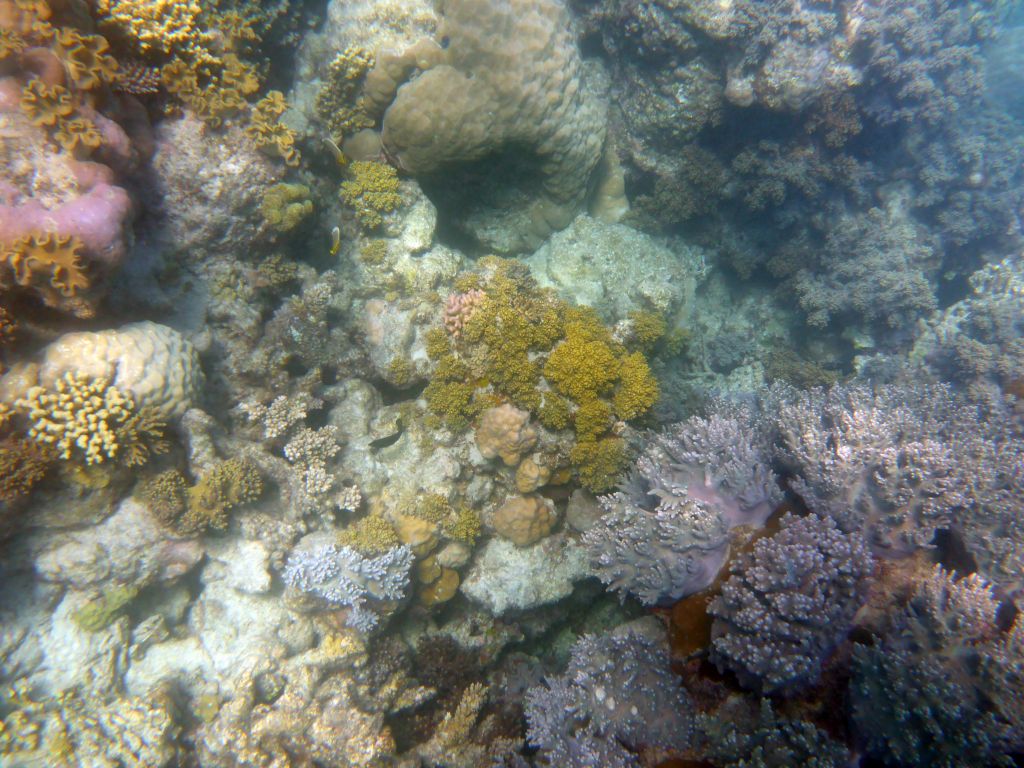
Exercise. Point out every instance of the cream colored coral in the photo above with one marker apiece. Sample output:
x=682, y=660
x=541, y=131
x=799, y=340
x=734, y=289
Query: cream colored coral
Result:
x=153, y=364
x=510, y=78
x=505, y=431
x=161, y=25
x=80, y=414
x=525, y=520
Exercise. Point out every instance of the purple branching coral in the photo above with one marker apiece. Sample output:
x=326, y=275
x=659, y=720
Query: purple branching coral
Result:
x=616, y=697
x=901, y=461
x=665, y=535
x=342, y=576
x=941, y=688
x=789, y=603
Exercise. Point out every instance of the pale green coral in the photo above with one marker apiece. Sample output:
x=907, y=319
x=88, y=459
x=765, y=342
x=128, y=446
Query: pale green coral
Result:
x=101, y=612
x=285, y=206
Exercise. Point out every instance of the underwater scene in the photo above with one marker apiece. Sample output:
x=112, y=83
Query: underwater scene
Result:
x=511, y=383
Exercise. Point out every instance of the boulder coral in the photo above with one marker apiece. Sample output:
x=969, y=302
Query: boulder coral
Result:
x=508, y=79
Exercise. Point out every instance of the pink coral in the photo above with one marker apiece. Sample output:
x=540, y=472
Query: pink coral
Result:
x=459, y=308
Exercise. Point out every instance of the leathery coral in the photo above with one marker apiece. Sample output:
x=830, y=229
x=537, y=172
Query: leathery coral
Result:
x=49, y=265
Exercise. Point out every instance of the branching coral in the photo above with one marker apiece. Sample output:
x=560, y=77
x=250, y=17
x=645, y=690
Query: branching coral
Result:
x=789, y=603
x=156, y=26
x=372, y=191
x=916, y=695
x=23, y=463
x=90, y=420
x=344, y=577
x=617, y=697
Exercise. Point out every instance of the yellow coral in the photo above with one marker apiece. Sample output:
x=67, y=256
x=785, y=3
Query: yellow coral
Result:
x=372, y=191
x=599, y=463
x=337, y=100
x=163, y=26
x=78, y=134
x=284, y=206
x=581, y=369
x=235, y=27
x=80, y=416
x=637, y=390
x=237, y=75
x=227, y=485
x=45, y=105
x=23, y=17
x=274, y=138
x=373, y=535
x=86, y=58
x=11, y=43
x=48, y=256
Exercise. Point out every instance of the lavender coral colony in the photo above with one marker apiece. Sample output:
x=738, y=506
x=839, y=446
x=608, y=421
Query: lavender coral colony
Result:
x=510, y=383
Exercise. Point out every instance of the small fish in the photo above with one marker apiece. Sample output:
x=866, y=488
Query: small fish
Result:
x=335, y=241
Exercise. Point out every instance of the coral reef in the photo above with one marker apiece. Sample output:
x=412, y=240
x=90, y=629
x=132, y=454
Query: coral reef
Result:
x=789, y=603
x=616, y=699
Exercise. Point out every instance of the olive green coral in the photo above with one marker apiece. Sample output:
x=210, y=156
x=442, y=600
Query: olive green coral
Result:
x=285, y=206
x=189, y=511
x=101, y=612
x=372, y=190
x=372, y=535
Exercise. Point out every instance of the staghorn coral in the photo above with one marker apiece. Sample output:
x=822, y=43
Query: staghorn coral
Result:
x=342, y=576
x=790, y=601
x=510, y=81
x=616, y=698
x=282, y=413
x=665, y=533
x=310, y=450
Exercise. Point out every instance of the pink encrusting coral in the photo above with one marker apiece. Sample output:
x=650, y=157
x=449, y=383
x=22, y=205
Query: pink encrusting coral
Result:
x=459, y=308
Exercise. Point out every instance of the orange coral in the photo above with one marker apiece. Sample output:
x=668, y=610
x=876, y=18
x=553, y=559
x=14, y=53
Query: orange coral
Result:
x=45, y=105
x=48, y=263
x=11, y=44
x=86, y=58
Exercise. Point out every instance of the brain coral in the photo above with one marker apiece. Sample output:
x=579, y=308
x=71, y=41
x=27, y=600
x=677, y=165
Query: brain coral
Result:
x=152, y=363
x=510, y=80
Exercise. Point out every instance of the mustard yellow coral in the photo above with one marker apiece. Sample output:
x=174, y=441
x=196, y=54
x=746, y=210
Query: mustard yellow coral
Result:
x=45, y=105
x=189, y=511
x=79, y=418
x=638, y=389
x=78, y=135
x=48, y=263
x=580, y=368
x=372, y=191
x=86, y=58
x=372, y=535
x=156, y=26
